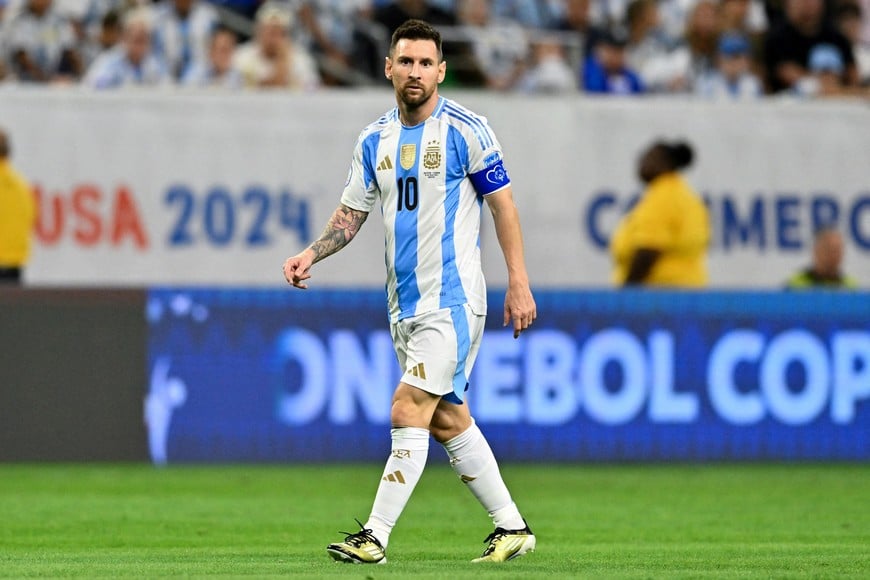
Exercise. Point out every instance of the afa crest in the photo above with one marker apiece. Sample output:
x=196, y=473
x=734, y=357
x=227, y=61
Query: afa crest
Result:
x=432, y=155
x=408, y=155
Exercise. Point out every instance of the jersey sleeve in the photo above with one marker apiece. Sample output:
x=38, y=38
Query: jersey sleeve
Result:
x=361, y=188
x=486, y=168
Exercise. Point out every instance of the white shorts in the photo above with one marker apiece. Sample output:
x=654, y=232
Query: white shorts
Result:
x=437, y=349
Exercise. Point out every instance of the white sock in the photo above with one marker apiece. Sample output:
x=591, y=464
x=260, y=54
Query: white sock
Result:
x=401, y=474
x=474, y=463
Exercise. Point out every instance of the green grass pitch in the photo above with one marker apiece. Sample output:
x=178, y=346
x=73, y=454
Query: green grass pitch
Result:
x=592, y=521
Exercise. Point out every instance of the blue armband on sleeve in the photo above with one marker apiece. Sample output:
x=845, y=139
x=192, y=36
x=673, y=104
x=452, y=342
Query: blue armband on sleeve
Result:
x=490, y=179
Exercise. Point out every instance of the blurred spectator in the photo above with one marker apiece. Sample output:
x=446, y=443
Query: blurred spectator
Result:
x=648, y=50
x=745, y=16
x=663, y=240
x=825, y=70
x=788, y=47
x=181, y=33
x=696, y=57
x=825, y=76
x=865, y=26
x=673, y=16
x=460, y=69
x=41, y=45
x=499, y=48
x=219, y=71
x=608, y=13
x=605, y=70
x=132, y=62
x=107, y=37
x=17, y=216
x=79, y=14
x=330, y=32
x=392, y=15
x=670, y=17
x=733, y=77
x=576, y=19
x=825, y=269
x=848, y=22
x=445, y=5
x=536, y=14
x=85, y=15
x=272, y=59
x=246, y=8
x=774, y=11
x=549, y=71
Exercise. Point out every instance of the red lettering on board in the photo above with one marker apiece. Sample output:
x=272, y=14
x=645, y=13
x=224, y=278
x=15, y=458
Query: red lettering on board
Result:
x=87, y=216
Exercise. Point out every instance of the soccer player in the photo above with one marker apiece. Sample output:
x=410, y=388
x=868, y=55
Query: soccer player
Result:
x=431, y=163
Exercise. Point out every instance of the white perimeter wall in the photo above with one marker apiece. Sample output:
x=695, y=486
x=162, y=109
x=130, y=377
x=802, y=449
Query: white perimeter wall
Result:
x=181, y=188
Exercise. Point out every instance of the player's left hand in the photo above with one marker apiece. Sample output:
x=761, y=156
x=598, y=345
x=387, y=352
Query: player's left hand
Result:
x=519, y=307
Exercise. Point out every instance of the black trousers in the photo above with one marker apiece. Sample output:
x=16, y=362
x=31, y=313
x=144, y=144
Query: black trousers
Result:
x=10, y=275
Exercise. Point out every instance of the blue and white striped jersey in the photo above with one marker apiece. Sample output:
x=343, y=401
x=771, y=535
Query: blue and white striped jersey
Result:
x=430, y=180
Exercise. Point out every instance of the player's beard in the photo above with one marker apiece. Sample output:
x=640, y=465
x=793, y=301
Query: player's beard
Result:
x=415, y=101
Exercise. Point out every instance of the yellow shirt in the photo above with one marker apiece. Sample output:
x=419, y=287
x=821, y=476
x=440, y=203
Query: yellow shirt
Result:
x=671, y=218
x=17, y=214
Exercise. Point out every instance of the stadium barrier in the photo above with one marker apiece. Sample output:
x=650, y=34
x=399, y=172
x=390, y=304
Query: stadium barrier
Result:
x=179, y=375
x=278, y=375
x=72, y=370
x=179, y=188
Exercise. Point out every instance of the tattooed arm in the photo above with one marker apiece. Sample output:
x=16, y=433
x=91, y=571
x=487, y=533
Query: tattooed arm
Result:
x=342, y=227
x=344, y=224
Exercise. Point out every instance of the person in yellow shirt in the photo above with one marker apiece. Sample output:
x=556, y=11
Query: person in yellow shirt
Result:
x=17, y=213
x=663, y=240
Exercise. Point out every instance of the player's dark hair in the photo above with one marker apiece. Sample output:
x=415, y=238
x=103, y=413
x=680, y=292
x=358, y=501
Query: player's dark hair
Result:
x=5, y=147
x=417, y=30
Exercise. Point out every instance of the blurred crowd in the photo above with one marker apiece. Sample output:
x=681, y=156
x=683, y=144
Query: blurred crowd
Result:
x=718, y=49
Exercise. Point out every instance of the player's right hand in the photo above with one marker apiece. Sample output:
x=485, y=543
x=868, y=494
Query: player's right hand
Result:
x=297, y=269
x=519, y=307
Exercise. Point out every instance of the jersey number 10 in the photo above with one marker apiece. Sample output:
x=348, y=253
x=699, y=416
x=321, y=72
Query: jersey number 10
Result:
x=408, y=195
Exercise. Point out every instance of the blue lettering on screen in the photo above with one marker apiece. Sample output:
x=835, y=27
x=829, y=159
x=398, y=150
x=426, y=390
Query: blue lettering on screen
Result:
x=270, y=375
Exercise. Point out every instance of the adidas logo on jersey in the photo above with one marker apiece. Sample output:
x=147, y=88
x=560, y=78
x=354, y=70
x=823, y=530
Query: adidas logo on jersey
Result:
x=385, y=164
